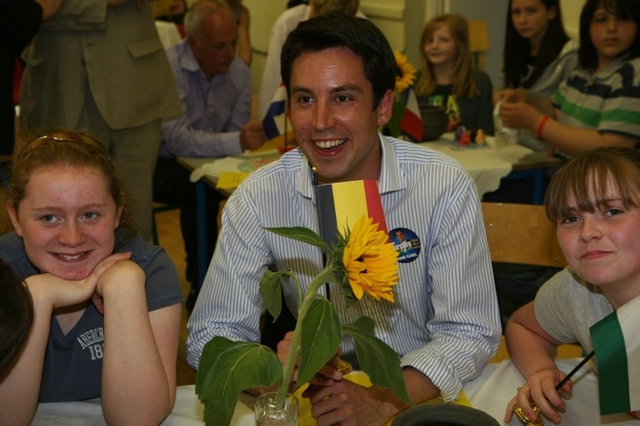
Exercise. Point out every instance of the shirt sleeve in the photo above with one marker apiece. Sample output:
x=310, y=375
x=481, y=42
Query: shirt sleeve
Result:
x=465, y=328
x=241, y=258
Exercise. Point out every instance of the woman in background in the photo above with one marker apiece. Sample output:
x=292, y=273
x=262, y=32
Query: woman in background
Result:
x=538, y=53
x=447, y=76
x=107, y=303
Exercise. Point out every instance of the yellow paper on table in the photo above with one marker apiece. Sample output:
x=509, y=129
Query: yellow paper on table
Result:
x=306, y=419
x=231, y=180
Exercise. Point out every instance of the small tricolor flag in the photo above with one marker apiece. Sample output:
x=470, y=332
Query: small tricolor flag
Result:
x=341, y=205
x=411, y=122
x=616, y=342
x=276, y=120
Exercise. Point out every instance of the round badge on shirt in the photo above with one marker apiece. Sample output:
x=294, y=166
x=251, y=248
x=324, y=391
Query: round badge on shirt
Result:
x=406, y=243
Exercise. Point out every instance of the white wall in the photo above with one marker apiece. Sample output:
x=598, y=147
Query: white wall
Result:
x=402, y=22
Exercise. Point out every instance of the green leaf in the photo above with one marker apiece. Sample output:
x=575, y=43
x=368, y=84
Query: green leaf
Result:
x=321, y=338
x=303, y=234
x=270, y=290
x=226, y=369
x=376, y=358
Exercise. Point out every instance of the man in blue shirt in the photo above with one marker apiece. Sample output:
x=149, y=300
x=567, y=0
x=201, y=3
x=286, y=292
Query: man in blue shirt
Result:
x=340, y=73
x=215, y=89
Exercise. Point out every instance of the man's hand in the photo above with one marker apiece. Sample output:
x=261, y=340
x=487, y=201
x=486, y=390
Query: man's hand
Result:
x=49, y=8
x=347, y=403
x=252, y=135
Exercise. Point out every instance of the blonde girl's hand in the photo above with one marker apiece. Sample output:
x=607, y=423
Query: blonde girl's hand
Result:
x=540, y=390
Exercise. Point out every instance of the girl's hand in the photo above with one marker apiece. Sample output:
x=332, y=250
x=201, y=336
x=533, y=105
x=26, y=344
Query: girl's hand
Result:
x=112, y=269
x=540, y=390
x=519, y=115
x=512, y=95
x=59, y=292
x=100, y=268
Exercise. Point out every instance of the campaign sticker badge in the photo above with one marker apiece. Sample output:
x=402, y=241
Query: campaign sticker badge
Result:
x=406, y=243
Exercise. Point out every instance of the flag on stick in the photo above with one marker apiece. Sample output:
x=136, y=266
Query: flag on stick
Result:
x=276, y=120
x=616, y=342
x=341, y=205
x=411, y=122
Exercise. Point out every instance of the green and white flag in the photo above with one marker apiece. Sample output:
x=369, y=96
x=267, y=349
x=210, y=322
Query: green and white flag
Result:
x=616, y=341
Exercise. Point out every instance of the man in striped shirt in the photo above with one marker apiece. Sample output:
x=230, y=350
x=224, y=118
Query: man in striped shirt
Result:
x=340, y=73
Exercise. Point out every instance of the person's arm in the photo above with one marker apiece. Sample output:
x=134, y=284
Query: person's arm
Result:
x=569, y=139
x=79, y=15
x=140, y=350
x=244, y=40
x=229, y=301
x=533, y=351
x=20, y=388
x=49, y=8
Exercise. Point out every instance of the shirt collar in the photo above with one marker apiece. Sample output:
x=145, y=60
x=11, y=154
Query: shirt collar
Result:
x=390, y=178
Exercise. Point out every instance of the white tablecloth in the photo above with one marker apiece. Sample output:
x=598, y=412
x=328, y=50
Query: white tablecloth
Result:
x=485, y=165
x=492, y=391
x=188, y=411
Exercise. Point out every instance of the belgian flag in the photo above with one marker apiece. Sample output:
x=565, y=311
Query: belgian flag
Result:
x=341, y=205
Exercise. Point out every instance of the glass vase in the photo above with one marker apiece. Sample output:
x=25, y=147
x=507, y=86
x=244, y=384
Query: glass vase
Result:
x=269, y=414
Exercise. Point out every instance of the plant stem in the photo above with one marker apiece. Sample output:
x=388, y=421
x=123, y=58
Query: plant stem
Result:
x=294, y=350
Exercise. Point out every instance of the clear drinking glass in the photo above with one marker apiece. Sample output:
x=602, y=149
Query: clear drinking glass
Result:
x=269, y=414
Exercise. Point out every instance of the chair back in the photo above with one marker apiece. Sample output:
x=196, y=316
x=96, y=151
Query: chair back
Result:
x=521, y=233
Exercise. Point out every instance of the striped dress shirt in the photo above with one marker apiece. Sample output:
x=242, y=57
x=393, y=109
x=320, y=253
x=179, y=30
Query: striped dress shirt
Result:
x=445, y=322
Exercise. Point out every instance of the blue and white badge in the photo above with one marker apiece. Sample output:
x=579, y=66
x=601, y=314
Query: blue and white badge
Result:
x=406, y=243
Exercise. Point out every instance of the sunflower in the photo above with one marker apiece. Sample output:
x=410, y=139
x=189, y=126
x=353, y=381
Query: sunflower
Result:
x=406, y=72
x=370, y=261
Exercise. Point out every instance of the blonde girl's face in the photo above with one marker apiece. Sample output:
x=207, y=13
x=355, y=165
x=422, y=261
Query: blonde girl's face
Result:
x=603, y=247
x=440, y=49
x=531, y=18
x=611, y=36
x=67, y=220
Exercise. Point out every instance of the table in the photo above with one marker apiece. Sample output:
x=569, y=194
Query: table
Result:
x=486, y=165
x=498, y=383
x=490, y=392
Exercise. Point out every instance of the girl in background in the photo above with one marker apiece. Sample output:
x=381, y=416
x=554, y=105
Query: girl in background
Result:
x=538, y=53
x=595, y=203
x=107, y=303
x=598, y=104
x=447, y=75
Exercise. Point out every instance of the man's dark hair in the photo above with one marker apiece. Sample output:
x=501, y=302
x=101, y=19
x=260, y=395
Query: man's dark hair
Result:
x=359, y=35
